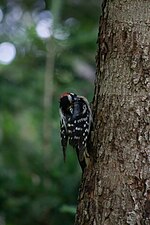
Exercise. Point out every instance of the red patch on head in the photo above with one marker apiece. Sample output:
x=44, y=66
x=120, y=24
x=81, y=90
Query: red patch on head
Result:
x=64, y=94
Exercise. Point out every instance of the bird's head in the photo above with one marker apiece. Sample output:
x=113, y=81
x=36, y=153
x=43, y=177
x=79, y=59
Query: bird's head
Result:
x=67, y=100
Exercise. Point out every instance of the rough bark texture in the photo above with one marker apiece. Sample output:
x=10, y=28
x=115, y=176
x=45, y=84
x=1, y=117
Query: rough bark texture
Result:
x=115, y=190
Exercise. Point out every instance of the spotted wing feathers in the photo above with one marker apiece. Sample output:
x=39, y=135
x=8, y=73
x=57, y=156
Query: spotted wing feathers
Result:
x=64, y=138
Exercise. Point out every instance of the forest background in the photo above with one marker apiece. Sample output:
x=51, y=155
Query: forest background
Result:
x=46, y=48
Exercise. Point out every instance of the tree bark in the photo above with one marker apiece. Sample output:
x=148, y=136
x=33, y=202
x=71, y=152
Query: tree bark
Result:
x=115, y=190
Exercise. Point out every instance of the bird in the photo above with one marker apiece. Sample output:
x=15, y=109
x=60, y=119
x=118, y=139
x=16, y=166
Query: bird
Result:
x=75, y=125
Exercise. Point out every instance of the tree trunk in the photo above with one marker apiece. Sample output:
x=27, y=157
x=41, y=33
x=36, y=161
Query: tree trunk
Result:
x=115, y=190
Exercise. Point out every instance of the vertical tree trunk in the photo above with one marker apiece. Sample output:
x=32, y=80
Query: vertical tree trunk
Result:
x=116, y=189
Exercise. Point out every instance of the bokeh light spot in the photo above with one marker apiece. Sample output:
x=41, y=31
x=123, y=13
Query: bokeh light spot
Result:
x=7, y=52
x=44, y=28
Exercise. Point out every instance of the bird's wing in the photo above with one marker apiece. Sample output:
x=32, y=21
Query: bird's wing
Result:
x=64, y=137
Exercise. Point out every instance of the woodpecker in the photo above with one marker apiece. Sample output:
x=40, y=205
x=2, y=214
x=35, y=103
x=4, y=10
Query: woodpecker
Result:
x=75, y=125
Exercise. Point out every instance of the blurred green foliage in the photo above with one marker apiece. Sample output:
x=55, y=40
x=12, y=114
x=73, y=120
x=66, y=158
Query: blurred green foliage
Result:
x=36, y=187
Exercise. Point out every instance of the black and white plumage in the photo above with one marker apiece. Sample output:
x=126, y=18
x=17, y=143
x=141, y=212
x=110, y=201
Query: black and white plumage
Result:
x=76, y=119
